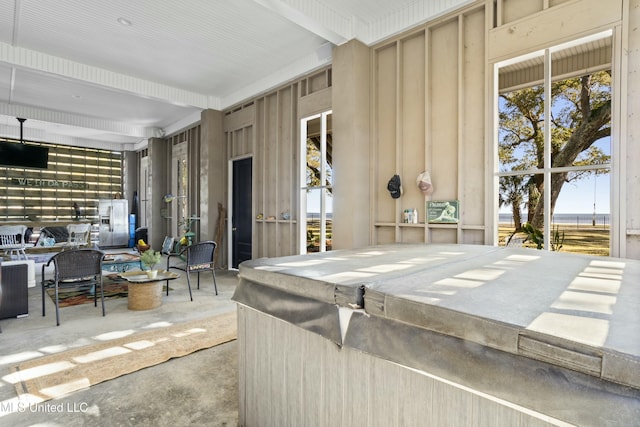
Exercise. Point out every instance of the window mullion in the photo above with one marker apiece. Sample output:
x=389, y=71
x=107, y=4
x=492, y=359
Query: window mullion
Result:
x=323, y=180
x=547, y=150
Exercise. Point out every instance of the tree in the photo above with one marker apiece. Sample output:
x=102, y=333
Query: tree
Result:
x=512, y=194
x=580, y=116
x=314, y=160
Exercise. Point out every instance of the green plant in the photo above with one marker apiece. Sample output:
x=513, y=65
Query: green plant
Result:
x=557, y=239
x=536, y=236
x=150, y=258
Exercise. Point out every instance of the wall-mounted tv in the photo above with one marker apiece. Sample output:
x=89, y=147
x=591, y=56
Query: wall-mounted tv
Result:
x=20, y=155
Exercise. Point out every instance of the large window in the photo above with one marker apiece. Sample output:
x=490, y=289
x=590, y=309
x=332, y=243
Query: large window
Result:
x=554, y=147
x=316, y=198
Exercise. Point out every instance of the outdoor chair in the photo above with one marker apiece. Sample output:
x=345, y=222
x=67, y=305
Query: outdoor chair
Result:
x=195, y=258
x=78, y=235
x=77, y=268
x=12, y=240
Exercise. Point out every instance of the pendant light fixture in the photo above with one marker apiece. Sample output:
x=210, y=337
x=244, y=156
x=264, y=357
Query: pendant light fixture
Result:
x=21, y=120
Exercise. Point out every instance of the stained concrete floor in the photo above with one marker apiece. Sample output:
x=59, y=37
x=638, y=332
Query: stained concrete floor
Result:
x=199, y=389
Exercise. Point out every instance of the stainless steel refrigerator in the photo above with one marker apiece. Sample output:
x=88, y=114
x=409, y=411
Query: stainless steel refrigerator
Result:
x=114, y=222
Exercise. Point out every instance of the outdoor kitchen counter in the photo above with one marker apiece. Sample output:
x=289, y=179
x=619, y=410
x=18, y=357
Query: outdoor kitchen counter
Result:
x=555, y=333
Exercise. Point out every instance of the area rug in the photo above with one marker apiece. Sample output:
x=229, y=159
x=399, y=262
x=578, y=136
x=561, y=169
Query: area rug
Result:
x=60, y=374
x=68, y=296
x=114, y=287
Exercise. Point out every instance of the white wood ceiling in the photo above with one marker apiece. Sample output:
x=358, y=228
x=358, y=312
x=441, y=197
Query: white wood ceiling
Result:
x=82, y=78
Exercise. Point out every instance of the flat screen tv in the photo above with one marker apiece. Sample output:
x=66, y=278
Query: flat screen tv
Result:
x=19, y=155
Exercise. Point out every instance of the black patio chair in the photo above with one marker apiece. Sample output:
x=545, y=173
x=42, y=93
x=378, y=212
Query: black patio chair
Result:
x=79, y=268
x=195, y=258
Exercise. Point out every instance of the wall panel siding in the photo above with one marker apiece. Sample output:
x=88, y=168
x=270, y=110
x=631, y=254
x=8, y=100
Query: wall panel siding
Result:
x=444, y=110
x=412, y=234
x=428, y=109
x=443, y=235
x=513, y=10
x=631, y=153
x=565, y=21
x=267, y=128
x=472, y=144
x=259, y=189
x=385, y=162
x=385, y=234
x=412, y=129
x=271, y=169
x=271, y=130
x=286, y=161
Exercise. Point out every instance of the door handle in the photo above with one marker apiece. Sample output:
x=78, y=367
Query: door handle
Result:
x=233, y=229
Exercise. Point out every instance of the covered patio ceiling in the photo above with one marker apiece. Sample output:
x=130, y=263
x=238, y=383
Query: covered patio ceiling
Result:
x=112, y=74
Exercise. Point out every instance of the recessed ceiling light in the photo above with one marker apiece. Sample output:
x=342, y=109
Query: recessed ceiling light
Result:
x=74, y=96
x=124, y=21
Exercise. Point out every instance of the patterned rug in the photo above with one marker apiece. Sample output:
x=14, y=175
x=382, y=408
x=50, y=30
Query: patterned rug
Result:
x=68, y=296
x=114, y=287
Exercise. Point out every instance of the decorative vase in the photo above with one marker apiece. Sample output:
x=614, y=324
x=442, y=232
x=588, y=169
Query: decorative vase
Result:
x=152, y=274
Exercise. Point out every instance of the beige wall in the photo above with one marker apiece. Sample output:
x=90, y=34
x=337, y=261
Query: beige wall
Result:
x=630, y=133
x=267, y=128
x=212, y=178
x=431, y=108
x=428, y=113
x=351, y=146
x=419, y=101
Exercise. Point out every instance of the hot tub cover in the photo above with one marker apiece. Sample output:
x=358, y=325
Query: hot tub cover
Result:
x=577, y=312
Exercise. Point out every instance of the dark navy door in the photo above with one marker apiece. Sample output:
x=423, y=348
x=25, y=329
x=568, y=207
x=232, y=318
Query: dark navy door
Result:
x=242, y=217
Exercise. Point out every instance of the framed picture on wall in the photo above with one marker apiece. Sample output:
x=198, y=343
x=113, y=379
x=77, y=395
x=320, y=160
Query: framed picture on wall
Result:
x=443, y=212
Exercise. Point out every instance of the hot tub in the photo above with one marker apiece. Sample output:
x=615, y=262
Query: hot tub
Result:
x=439, y=335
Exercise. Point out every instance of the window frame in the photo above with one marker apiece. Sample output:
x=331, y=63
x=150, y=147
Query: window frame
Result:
x=547, y=170
x=304, y=189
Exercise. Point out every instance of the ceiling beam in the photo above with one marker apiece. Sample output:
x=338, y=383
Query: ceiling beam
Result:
x=314, y=16
x=30, y=59
x=40, y=135
x=74, y=120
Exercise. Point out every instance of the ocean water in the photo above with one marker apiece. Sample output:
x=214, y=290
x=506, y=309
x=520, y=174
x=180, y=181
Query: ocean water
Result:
x=576, y=219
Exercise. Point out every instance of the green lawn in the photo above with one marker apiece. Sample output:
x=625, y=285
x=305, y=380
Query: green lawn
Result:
x=583, y=240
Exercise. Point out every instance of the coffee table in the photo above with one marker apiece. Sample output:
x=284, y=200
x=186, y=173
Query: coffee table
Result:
x=121, y=262
x=146, y=293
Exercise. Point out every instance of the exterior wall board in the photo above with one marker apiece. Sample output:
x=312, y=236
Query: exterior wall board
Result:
x=385, y=152
x=473, y=118
x=564, y=22
x=428, y=108
x=412, y=129
x=267, y=128
x=631, y=149
x=444, y=111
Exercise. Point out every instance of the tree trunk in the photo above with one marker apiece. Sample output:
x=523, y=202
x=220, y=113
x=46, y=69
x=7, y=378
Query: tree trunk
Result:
x=587, y=132
x=557, y=181
x=517, y=217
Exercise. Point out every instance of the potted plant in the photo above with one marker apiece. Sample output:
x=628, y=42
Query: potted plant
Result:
x=150, y=258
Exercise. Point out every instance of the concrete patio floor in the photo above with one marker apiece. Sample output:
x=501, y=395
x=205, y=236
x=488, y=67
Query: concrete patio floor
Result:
x=197, y=389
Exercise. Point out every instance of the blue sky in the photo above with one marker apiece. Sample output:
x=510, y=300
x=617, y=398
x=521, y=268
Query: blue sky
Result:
x=580, y=197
